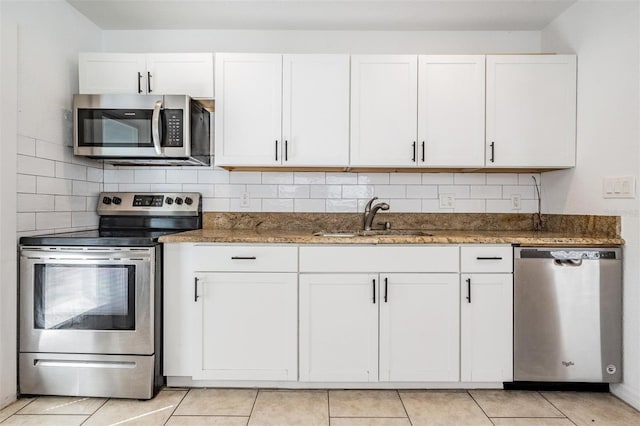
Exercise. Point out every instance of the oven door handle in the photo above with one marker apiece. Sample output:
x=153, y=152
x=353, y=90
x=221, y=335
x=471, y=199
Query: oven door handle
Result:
x=84, y=364
x=155, y=127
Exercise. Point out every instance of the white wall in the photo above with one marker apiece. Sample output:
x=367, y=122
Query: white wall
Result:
x=328, y=192
x=56, y=191
x=8, y=131
x=39, y=76
x=400, y=42
x=605, y=36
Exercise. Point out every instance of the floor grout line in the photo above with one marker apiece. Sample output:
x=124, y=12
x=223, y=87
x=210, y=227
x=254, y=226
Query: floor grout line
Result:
x=253, y=406
x=554, y=406
x=177, y=405
x=404, y=407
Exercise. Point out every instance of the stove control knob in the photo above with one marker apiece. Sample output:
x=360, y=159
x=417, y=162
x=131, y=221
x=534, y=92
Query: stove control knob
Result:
x=106, y=200
x=178, y=201
x=188, y=201
x=168, y=200
x=116, y=200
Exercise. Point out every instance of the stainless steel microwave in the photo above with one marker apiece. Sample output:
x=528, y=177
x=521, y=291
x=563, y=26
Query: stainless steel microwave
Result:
x=143, y=129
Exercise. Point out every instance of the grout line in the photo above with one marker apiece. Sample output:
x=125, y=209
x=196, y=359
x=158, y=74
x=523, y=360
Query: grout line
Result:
x=253, y=405
x=479, y=406
x=177, y=405
x=96, y=410
x=554, y=406
x=403, y=407
x=328, y=408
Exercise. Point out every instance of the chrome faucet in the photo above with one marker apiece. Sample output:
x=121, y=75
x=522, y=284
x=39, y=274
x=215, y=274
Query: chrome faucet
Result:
x=370, y=212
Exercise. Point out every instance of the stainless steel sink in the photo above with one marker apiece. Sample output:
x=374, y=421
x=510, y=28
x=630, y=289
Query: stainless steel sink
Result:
x=395, y=233
x=375, y=233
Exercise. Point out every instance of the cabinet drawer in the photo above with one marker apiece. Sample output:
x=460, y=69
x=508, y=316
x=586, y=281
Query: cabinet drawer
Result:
x=379, y=259
x=486, y=258
x=240, y=258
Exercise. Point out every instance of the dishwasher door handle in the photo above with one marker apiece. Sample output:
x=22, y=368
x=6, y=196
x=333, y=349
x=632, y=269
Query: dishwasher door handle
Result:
x=568, y=262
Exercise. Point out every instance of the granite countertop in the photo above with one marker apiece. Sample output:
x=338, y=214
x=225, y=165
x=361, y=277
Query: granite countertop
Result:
x=268, y=228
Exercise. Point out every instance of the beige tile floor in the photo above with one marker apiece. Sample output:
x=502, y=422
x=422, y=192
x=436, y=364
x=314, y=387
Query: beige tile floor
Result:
x=235, y=407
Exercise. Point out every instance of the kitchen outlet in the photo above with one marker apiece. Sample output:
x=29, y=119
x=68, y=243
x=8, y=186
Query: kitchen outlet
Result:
x=516, y=202
x=245, y=199
x=447, y=201
x=619, y=187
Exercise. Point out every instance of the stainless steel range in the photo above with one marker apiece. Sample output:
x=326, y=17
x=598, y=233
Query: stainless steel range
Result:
x=90, y=301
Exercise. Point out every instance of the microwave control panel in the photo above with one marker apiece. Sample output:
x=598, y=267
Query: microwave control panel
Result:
x=173, y=127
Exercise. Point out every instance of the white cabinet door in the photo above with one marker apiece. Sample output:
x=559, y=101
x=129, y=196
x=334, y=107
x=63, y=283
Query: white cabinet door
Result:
x=248, y=327
x=384, y=90
x=531, y=111
x=180, y=74
x=248, y=109
x=111, y=73
x=315, y=102
x=419, y=327
x=487, y=327
x=451, y=110
x=339, y=327
x=179, y=314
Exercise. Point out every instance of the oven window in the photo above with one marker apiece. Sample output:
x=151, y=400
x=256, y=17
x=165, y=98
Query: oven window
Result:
x=114, y=128
x=84, y=297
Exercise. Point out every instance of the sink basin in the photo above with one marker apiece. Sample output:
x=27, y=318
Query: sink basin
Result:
x=375, y=233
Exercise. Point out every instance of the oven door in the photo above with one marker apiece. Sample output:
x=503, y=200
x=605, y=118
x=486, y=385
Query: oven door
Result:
x=87, y=300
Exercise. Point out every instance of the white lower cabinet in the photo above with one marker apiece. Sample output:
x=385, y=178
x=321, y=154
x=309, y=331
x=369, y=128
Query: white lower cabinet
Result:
x=486, y=329
x=230, y=312
x=367, y=327
x=338, y=328
x=419, y=323
x=338, y=314
x=248, y=326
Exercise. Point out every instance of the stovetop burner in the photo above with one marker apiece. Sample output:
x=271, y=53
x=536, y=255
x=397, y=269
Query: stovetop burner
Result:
x=132, y=220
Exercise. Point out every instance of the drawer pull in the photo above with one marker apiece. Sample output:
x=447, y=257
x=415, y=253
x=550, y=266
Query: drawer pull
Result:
x=243, y=258
x=489, y=258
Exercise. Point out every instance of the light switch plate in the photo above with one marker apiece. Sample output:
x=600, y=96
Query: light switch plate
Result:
x=619, y=187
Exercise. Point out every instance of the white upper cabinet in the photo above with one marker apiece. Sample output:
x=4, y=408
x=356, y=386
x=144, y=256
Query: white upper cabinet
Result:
x=451, y=110
x=248, y=109
x=181, y=74
x=424, y=111
x=531, y=111
x=159, y=73
x=315, y=116
x=282, y=110
x=384, y=92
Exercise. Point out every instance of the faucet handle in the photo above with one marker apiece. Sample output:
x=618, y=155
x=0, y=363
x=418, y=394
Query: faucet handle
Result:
x=386, y=225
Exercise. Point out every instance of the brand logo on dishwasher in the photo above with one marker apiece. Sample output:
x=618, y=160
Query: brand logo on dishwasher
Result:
x=567, y=363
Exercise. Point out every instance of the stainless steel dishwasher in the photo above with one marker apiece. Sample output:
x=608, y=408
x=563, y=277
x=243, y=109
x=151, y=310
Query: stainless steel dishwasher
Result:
x=567, y=314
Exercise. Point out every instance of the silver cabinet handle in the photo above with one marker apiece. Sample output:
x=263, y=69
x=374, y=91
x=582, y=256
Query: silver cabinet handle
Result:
x=195, y=291
x=243, y=258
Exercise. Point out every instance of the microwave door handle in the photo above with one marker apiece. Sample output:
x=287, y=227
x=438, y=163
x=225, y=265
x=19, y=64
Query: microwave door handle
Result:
x=155, y=127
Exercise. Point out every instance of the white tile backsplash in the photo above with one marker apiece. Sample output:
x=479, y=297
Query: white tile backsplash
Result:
x=405, y=178
x=245, y=177
x=56, y=186
x=59, y=192
x=26, y=146
x=35, y=166
x=308, y=205
x=316, y=178
x=280, y=191
x=56, y=191
x=34, y=203
x=334, y=178
x=152, y=175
